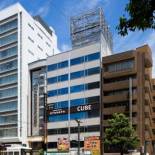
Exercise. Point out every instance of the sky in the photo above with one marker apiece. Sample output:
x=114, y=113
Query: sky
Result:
x=57, y=13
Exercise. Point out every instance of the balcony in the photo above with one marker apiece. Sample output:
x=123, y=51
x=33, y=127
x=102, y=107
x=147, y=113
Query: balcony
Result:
x=120, y=109
x=118, y=98
x=119, y=73
x=118, y=85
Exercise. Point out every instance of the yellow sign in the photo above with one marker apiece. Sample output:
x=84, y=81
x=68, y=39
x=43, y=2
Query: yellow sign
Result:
x=63, y=144
x=92, y=144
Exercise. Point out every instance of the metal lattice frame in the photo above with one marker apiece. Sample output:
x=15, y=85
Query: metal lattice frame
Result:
x=87, y=28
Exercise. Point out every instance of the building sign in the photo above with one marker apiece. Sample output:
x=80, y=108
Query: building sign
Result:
x=88, y=107
x=92, y=144
x=63, y=144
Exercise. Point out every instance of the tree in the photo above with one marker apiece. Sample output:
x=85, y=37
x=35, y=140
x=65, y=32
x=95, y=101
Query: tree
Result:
x=141, y=16
x=120, y=134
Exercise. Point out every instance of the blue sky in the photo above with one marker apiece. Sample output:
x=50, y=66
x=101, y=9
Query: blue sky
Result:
x=57, y=14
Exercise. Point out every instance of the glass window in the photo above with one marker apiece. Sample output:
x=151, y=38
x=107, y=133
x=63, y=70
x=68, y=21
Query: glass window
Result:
x=59, y=105
x=52, y=93
x=8, y=52
x=77, y=102
x=63, y=64
x=92, y=57
x=120, y=66
x=8, y=79
x=8, y=66
x=77, y=61
x=64, y=117
x=12, y=132
x=8, y=26
x=62, y=91
x=52, y=67
x=8, y=106
x=78, y=88
x=92, y=71
x=76, y=75
x=94, y=99
x=8, y=119
x=62, y=78
x=8, y=39
x=93, y=85
x=52, y=80
x=11, y=92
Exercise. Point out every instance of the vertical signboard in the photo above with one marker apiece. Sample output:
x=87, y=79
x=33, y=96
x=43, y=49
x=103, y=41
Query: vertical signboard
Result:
x=63, y=144
x=92, y=144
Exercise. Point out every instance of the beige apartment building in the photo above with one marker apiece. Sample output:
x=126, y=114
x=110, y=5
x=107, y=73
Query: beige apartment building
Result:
x=128, y=88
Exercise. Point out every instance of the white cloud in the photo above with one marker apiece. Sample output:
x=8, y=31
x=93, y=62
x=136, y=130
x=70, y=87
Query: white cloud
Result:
x=44, y=9
x=65, y=47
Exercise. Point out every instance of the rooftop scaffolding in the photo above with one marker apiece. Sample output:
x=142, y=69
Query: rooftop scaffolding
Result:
x=87, y=28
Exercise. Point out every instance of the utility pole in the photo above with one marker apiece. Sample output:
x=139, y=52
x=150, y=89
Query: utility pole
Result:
x=45, y=123
x=78, y=122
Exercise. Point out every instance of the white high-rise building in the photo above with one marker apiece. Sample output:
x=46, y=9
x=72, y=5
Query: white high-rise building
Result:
x=23, y=39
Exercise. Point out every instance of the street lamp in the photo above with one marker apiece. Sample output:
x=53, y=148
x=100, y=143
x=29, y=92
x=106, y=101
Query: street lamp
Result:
x=78, y=122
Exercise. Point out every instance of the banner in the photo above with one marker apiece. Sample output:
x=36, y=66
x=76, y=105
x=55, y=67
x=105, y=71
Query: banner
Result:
x=80, y=108
x=92, y=144
x=63, y=144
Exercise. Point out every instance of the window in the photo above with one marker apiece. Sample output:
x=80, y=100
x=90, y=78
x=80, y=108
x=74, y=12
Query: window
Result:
x=30, y=26
x=94, y=99
x=120, y=66
x=8, y=52
x=52, y=80
x=31, y=39
x=8, y=66
x=52, y=67
x=8, y=26
x=93, y=71
x=64, y=117
x=77, y=61
x=58, y=66
x=31, y=52
x=62, y=78
x=92, y=57
x=8, y=79
x=59, y=105
x=78, y=88
x=40, y=48
x=93, y=85
x=76, y=75
x=76, y=102
x=63, y=64
x=52, y=93
x=8, y=106
x=11, y=132
x=39, y=36
x=11, y=92
x=62, y=91
x=8, y=39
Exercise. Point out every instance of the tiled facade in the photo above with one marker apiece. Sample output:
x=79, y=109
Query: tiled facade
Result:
x=118, y=72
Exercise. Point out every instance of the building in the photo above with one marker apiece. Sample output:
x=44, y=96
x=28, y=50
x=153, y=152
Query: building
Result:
x=36, y=104
x=23, y=39
x=127, y=88
x=73, y=87
x=72, y=77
